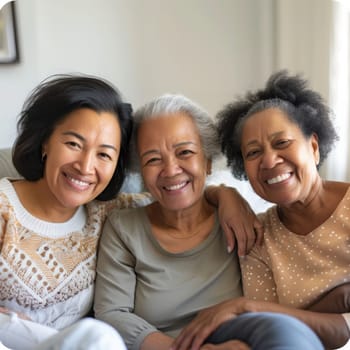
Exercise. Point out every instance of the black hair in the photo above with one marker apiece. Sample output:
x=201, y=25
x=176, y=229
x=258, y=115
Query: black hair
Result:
x=289, y=93
x=49, y=103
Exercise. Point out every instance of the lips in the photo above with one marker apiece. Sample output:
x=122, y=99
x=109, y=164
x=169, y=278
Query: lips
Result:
x=82, y=185
x=279, y=178
x=176, y=187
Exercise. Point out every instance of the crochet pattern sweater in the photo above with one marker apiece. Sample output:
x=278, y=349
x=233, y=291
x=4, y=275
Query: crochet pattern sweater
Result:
x=47, y=270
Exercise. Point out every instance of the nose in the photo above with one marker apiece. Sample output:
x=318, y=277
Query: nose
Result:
x=86, y=163
x=270, y=159
x=171, y=167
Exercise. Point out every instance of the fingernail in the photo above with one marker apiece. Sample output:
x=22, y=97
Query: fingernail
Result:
x=229, y=249
x=242, y=256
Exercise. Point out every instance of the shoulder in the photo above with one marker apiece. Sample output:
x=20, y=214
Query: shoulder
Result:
x=125, y=225
x=269, y=216
x=127, y=220
x=8, y=195
x=126, y=214
x=5, y=185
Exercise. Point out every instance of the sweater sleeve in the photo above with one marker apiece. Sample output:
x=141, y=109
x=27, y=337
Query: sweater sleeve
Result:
x=115, y=288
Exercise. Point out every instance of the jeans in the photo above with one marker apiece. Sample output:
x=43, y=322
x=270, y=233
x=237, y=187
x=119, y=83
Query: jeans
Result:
x=267, y=331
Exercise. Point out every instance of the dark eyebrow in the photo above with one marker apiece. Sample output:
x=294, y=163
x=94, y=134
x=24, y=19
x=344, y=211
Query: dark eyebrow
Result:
x=277, y=133
x=82, y=139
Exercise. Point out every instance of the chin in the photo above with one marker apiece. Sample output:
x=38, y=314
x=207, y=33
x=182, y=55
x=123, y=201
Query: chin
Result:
x=75, y=203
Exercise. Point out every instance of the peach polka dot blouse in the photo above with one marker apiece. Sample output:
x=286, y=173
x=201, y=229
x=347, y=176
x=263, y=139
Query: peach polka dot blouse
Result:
x=296, y=270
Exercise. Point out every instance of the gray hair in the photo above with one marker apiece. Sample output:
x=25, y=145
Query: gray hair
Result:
x=166, y=105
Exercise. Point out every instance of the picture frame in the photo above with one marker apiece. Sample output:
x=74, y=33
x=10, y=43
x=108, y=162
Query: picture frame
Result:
x=9, y=52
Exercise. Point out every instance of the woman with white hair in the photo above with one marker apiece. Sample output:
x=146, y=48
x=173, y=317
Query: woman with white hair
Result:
x=161, y=264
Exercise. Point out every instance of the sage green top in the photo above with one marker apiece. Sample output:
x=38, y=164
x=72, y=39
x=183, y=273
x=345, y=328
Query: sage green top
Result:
x=142, y=288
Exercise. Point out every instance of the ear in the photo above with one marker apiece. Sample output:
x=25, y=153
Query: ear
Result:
x=44, y=148
x=209, y=165
x=315, y=148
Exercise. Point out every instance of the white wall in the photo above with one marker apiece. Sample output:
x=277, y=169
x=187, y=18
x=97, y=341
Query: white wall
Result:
x=206, y=49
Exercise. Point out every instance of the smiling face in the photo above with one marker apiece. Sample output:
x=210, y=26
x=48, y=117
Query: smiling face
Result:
x=81, y=157
x=279, y=161
x=173, y=163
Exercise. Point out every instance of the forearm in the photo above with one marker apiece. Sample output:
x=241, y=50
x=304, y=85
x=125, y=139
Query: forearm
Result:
x=237, y=219
x=157, y=340
x=213, y=193
x=336, y=300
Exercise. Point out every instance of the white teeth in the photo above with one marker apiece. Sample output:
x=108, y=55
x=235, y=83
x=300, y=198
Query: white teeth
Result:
x=175, y=187
x=78, y=182
x=279, y=178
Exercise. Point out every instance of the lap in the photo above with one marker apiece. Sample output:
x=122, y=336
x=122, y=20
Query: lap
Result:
x=16, y=333
x=267, y=331
x=86, y=334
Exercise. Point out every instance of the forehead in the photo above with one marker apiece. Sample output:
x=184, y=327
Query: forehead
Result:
x=89, y=123
x=268, y=120
x=167, y=126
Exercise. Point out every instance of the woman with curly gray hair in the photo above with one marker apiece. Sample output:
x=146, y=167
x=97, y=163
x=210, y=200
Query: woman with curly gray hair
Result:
x=277, y=138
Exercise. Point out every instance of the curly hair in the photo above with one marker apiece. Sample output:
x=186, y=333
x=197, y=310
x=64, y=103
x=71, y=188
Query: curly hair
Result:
x=49, y=103
x=289, y=93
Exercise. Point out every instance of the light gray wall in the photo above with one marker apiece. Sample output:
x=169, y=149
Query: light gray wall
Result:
x=208, y=50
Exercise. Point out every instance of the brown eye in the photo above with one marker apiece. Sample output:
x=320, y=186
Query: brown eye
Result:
x=105, y=156
x=153, y=160
x=185, y=152
x=282, y=143
x=73, y=144
x=252, y=154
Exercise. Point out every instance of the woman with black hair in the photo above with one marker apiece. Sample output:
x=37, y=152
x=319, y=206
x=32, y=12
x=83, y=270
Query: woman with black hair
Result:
x=277, y=138
x=70, y=151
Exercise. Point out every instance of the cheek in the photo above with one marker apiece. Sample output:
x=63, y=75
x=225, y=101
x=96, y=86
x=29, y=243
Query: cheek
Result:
x=108, y=172
x=252, y=174
x=147, y=178
x=52, y=165
x=249, y=170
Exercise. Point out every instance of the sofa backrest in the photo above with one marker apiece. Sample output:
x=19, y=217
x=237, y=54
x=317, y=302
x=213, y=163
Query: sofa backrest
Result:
x=6, y=167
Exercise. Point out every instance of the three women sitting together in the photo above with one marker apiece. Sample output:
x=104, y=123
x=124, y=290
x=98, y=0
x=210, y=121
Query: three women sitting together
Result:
x=165, y=277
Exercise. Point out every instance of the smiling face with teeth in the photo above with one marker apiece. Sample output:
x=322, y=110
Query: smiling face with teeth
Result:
x=81, y=157
x=279, y=160
x=173, y=163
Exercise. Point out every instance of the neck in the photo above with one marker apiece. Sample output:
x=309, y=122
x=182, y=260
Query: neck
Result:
x=186, y=221
x=33, y=196
x=303, y=217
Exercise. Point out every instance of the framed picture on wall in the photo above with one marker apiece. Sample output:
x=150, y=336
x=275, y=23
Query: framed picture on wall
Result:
x=8, y=34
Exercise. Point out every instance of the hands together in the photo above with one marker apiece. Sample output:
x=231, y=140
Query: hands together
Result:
x=207, y=321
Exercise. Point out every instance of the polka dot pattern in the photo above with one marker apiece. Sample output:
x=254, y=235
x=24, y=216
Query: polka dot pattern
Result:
x=294, y=269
